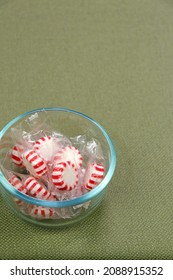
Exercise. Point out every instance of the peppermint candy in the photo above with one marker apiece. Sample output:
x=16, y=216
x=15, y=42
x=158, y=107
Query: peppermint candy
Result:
x=16, y=155
x=34, y=164
x=17, y=184
x=46, y=147
x=57, y=172
x=36, y=189
x=93, y=175
x=40, y=212
x=65, y=176
x=69, y=153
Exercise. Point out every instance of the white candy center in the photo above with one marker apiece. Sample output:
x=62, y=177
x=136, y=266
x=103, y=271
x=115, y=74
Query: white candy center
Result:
x=47, y=149
x=69, y=176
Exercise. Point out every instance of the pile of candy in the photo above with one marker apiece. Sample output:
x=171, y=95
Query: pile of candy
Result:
x=54, y=167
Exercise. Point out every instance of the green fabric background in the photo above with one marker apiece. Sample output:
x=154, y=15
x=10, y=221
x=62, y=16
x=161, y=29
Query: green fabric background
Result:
x=112, y=60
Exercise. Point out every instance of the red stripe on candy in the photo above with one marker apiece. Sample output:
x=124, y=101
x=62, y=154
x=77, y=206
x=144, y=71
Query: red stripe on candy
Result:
x=88, y=187
x=28, y=181
x=33, y=185
x=59, y=183
x=39, y=164
x=45, y=193
x=43, y=212
x=33, y=158
x=39, y=189
x=51, y=212
x=97, y=176
x=36, y=211
x=30, y=154
x=56, y=176
x=92, y=182
x=41, y=171
x=99, y=168
x=16, y=158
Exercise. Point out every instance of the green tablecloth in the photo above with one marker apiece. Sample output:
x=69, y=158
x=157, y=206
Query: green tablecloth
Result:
x=112, y=60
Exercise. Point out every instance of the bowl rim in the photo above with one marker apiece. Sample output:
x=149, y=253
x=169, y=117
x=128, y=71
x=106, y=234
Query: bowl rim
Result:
x=60, y=204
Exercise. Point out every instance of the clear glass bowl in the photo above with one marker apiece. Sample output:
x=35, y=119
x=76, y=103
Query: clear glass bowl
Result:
x=70, y=123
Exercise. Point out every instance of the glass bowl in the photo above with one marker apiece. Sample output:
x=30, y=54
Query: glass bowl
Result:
x=70, y=123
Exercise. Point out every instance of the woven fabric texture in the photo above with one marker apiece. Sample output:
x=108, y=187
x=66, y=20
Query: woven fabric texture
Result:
x=111, y=60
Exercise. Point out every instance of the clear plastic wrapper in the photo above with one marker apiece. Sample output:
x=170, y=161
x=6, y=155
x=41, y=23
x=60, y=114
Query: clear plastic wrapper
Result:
x=93, y=151
x=79, y=142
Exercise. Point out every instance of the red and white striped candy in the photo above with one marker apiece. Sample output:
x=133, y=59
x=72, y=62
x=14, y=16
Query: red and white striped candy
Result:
x=34, y=164
x=16, y=155
x=65, y=176
x=40, y=212
x=36, y=189
x=17, y=184
x=46, y=147
x=71, y=154
x=93, y=175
